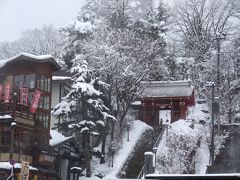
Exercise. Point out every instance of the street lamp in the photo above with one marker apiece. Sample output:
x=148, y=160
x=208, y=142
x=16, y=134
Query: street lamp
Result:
x=112, y=152
x=128, y=129
x=13, y=125
x=155, y=157
x=168, y=126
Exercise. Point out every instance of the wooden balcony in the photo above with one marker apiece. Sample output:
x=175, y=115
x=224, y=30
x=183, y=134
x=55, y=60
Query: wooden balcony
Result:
x=20, y=113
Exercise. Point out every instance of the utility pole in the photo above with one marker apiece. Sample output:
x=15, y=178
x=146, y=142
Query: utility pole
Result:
x=212, y=135
x=218, y=63
x=219, y=37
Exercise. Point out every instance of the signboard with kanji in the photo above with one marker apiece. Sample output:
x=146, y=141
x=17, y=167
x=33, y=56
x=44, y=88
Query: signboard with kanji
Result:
x=24, y=96
x=25, y=170
x=7, y=92
x=1, y=91
x=35, y=100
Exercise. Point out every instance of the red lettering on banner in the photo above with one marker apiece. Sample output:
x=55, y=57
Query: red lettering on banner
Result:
x=35, y=101
x=1, y=91
x=7, y=92
x=24, y=96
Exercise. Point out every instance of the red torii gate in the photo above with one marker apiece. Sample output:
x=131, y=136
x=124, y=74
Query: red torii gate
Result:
x=175, y=96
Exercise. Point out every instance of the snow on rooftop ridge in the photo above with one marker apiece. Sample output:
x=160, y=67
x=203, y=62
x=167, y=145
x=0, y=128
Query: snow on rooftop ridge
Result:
x=167, y=83
x=32, y=56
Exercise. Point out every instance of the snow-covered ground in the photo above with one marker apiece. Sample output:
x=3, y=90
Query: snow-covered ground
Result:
x=121, y=156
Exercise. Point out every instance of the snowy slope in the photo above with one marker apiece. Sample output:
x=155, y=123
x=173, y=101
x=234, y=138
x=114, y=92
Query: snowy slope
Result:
x=121, y=156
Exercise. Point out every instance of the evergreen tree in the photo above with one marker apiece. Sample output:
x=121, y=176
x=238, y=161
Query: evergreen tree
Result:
x=83, y=109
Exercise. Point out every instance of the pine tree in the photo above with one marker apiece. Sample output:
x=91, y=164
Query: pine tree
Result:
x=83, y=109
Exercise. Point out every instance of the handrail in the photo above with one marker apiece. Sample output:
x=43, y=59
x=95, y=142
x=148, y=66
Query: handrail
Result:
x=141, y=174
x=159, y=138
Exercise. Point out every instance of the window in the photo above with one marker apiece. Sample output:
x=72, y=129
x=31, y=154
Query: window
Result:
x=44, y=102
x=23, y=139
x=30, y=80
x=25, y=80
x=43, y=120
x=49, y=85
x=5, y=136
x=43, y=83
x=42, y=138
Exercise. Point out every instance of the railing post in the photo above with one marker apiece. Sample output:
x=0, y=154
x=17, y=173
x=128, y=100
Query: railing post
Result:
x=148, y=163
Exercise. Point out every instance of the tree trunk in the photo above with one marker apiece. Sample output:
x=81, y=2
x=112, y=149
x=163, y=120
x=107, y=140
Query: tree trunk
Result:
x=87, y=154
x=112, y=130
x=102, y=160
x=230, y=115
x=88, y=167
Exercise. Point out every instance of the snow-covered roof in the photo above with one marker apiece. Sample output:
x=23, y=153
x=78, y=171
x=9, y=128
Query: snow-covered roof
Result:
x=167, y=89
x=30, y=57
x=57, y=138
x=61, y=78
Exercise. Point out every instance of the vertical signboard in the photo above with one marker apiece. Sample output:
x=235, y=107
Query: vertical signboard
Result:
x=25, y=170
x=1, y=91
x=35, y=100
x=24, y=96
x=7, y=92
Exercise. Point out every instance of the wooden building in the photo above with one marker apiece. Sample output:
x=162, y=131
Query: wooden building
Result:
x=163, y=101
x=21, y=77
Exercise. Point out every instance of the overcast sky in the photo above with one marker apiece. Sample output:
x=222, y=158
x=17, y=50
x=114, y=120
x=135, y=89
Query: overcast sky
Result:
x=19, y=15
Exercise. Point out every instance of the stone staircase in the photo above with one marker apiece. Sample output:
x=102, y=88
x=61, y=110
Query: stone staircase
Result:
x=135, y=162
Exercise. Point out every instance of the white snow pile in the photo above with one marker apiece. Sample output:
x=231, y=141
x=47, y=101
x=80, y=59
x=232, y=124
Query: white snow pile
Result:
x=121, y=156
x=186, y=145
x=57, y=138
x=179, y=144
x=7, y=165
x=5, y=117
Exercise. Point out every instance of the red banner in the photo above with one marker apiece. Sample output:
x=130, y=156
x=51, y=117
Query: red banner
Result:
x=24, y=96
x=1, y=91
x=35, y=100
x=7, y=92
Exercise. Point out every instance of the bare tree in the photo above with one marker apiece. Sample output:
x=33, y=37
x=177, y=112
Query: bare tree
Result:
x=46, y=40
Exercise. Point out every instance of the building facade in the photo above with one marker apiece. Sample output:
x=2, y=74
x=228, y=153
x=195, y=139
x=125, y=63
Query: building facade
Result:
x=25, y=99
